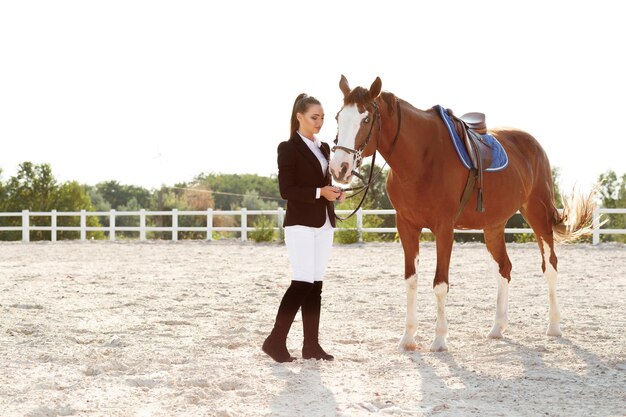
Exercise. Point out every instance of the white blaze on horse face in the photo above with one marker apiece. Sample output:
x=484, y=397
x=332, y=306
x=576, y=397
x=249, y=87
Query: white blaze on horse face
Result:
x=348, y=121
x=554, y=327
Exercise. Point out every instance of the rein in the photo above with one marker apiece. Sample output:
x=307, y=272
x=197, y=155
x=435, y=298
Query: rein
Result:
x=365, y=188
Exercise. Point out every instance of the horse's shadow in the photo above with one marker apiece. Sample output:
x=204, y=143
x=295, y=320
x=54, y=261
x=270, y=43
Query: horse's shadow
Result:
x=304, y=393
x=453, y=375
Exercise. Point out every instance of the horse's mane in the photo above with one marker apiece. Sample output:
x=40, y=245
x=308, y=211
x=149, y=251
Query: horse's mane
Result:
x=361, y=97
x=390, y=100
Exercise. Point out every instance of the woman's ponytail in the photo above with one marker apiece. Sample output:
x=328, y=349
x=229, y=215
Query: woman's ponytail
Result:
x=300, y=105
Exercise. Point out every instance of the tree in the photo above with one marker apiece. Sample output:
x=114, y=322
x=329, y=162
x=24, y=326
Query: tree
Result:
x=376, y=199
x=34, y=188
x=97, y=199
x=194, y=198
x=558, y=196
x=182, y=197
x=612, y=191
x=230, y=189
x=3, y=195
x=119, y=195
x=72, y=196
x=252, y=201
x=264, y=225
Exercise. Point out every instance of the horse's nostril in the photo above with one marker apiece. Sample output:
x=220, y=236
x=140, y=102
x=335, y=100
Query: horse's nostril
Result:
x=344, y=169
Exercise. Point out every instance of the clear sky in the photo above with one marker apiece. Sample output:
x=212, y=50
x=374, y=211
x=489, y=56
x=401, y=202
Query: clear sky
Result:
x=157, y=92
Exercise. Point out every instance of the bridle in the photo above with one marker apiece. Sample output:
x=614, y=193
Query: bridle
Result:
x=358, y=155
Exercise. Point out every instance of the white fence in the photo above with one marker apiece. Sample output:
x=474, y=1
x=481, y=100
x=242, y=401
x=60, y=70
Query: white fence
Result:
x=112, y=229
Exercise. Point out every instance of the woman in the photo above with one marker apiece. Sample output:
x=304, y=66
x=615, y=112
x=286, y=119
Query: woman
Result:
x=305, y=182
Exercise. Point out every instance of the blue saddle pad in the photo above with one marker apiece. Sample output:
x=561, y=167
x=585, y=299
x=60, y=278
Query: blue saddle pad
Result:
x=500, y=159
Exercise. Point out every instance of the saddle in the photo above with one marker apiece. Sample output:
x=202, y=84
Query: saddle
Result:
x=475, y=121
x=470, y=127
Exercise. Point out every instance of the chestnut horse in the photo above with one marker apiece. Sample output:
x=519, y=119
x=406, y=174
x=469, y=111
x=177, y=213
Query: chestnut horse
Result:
x=425, y=185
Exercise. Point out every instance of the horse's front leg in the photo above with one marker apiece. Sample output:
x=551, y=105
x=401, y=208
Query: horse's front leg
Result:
x=410, y=238
x=444, y=240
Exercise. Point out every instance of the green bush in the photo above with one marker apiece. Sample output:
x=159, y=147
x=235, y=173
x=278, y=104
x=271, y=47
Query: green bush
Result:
x=346, y=236
x=525, y=237
x=263, y=230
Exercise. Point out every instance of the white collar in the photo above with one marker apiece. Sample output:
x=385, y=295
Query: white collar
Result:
x=316, y=141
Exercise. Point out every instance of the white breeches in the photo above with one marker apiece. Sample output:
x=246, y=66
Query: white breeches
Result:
x=308, y=249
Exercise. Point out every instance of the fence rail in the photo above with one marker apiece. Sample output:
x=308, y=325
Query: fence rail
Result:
x=142, y=228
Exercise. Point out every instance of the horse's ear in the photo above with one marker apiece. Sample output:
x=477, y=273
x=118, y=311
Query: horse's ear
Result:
x=343, y=85
x=375, y=88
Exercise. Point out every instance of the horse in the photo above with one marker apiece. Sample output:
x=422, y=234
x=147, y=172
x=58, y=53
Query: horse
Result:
x=426, y=182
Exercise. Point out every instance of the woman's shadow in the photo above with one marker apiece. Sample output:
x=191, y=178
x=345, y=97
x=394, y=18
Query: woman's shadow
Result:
x=303, y=395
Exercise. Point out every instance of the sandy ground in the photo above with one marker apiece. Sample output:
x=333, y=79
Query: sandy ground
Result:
x=175, y=329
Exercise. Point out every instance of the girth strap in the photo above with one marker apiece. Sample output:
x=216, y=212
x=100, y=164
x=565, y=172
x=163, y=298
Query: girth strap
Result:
x=475, y=176
x=467, y=192
x=474, y=138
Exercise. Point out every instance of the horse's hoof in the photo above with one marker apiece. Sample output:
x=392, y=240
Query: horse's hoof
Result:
x=495, y=333
x=554, y=329
x=408, y=343
x=439, y=345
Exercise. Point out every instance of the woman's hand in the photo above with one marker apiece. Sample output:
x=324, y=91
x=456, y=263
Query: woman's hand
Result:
x=342, y=196
x=331, y=193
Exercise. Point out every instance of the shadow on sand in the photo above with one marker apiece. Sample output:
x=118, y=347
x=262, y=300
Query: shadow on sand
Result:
x=304, y=394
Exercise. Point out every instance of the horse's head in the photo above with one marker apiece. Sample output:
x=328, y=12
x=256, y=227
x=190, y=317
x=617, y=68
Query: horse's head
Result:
x=358, y=129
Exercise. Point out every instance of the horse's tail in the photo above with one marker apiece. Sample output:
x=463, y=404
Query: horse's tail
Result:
x=576, y=220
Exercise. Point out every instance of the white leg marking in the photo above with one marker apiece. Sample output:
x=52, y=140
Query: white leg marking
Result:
x=501, y=321
x=441, y=328
x=408, y=340
x=554, y=328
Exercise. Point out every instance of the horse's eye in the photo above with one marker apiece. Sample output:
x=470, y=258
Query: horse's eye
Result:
x=366, y=120
x=336, y=139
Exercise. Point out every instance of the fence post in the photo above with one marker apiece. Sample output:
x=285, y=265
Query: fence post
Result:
x=209, y=224
x=112, y=225
x=281, y=217
x=25, y=226
x=596, y=226
x=359, y=224
x=53, y=226
x=83, y=225
x=244, y=224
x=175, y=225
x=142, y=225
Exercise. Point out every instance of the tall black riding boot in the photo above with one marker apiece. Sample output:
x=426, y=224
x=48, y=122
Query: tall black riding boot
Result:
x=311, y=309
x=276, y=343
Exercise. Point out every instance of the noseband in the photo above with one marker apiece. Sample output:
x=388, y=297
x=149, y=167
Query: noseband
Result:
x=358, y=153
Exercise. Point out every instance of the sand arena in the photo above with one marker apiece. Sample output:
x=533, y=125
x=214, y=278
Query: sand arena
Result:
x=174, y=329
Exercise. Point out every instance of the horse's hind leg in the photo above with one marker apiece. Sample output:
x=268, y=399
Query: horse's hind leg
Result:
x=410, y=237
x=550, y=273
x=539, y=220
x=494, y=239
